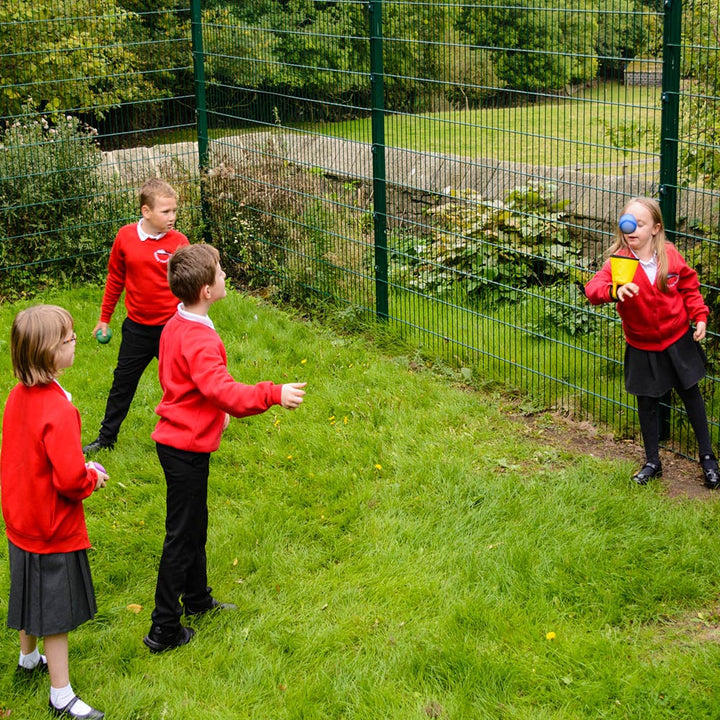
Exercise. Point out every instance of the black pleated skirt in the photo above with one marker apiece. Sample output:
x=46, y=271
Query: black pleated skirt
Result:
x=49, y=594
x=653, y=374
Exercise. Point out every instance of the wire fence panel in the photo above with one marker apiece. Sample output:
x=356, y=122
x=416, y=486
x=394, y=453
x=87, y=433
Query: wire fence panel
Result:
x=85, y=86
x=453, y=168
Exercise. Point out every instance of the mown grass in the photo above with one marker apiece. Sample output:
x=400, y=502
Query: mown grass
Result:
x=400, y=547
x=578, y=131
x=574, y=131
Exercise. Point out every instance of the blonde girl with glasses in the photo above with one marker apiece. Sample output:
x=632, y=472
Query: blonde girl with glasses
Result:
x=44, y=480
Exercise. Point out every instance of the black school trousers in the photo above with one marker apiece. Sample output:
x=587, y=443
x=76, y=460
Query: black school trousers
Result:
x=139, y=345
x=182, y=574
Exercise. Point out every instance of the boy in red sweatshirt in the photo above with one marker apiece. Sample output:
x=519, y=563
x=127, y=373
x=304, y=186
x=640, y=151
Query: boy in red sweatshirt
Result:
x=138, y=265
x=199, y=396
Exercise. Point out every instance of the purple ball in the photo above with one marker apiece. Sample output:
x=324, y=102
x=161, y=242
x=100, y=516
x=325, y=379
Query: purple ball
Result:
x=98, y=466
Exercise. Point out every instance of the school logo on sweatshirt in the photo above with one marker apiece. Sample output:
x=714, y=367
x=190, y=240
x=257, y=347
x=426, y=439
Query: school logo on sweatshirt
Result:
x=162, y=256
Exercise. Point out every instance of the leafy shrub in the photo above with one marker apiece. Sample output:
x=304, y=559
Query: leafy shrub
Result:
x=490, y=249
x=51, y=202
x=566, y=309
x=704, y=257
x=287, y=229
x=257, y=256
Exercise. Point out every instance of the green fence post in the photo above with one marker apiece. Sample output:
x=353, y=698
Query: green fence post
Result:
x=670, y=113
x=377, y=99
x=200, y=106
x=669, y=149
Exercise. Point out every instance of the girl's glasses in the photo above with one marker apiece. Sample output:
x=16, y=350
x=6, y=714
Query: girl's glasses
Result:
x=73, y=340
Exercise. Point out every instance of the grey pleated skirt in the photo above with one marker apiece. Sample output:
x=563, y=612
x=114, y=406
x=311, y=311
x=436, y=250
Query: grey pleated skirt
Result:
x=49, y=594
x=653, y=374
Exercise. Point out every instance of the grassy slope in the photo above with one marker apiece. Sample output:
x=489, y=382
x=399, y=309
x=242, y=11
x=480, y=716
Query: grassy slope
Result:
x=574, y=131
x=398, y=547
x=571, y=131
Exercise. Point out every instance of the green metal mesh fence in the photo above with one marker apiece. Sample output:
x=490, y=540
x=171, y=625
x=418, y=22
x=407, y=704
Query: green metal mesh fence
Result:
x=453, y=168
x=86, y=88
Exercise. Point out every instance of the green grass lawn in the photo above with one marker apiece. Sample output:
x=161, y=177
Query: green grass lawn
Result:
x=399, y=547
x=572, y=131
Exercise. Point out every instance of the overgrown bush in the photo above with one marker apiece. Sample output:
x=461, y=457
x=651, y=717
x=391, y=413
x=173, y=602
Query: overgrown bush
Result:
x=565, y=308
x=490, y=249
x=285, y=229
x=51, y=203
x=704, y=257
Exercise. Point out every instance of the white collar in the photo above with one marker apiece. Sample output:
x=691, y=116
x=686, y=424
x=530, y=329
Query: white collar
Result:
x=203, y=319
x=67, y=394
x=651, y=263
x=645, y=263
x=146, y=236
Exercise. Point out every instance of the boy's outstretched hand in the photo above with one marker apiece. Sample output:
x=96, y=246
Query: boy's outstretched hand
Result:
x=292, y=395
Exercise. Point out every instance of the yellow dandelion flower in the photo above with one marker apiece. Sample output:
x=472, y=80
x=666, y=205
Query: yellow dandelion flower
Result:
x=550, y=636
x=378, y=466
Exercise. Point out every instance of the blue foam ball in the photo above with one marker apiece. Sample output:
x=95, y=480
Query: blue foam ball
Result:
x=627, y=223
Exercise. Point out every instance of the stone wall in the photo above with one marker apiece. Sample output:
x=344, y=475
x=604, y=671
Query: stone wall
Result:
x=592, y=198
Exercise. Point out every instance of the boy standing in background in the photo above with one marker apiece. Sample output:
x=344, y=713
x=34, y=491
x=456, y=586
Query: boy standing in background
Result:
x=138, y=265
x=199, y=396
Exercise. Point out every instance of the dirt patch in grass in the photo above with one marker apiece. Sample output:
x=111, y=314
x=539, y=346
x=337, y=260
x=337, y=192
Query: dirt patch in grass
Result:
x=682, y=477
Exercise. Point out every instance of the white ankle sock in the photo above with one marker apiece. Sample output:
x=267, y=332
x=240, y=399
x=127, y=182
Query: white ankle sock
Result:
x=30, y=660
x=60, y=697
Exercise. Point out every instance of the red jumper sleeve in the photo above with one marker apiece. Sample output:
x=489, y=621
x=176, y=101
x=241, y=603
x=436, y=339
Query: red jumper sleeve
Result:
x=599, y=288
x=115, y=283
x=210, y=374
x=70, y=477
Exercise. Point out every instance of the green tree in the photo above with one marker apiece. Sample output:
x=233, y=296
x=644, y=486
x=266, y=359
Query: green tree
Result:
x=236, y=53
x=625, y=28
x=67, y=57
x=321, y=46
x=160, y=39
x=544, y=47
x=423, y=56
x=699, y=154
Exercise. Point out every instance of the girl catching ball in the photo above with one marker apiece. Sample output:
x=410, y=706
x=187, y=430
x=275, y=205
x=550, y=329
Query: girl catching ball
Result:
x=657, y=308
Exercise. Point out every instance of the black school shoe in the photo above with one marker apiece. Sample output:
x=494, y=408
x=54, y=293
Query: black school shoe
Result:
x=67, y=711
x=159, y=640
x=96, y=445
x=710, y=470
x=647, y=472
x=214, y=606
x=40, y=669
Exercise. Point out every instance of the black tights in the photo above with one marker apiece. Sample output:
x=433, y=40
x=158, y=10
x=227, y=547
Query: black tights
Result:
x=648, y=414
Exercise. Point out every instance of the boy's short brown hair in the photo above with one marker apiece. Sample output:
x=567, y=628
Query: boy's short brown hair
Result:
x=190, y=268
x=153, y=189
x=36, y=336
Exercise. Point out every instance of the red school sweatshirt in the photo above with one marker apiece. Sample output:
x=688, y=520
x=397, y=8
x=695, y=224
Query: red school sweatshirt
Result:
x=43, y=477
x=654, y=320
x=140, y=268
x=198, y=389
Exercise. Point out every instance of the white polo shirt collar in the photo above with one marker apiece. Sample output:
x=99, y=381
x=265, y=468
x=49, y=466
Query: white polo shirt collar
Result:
x=145, y=236
x=203, y=319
